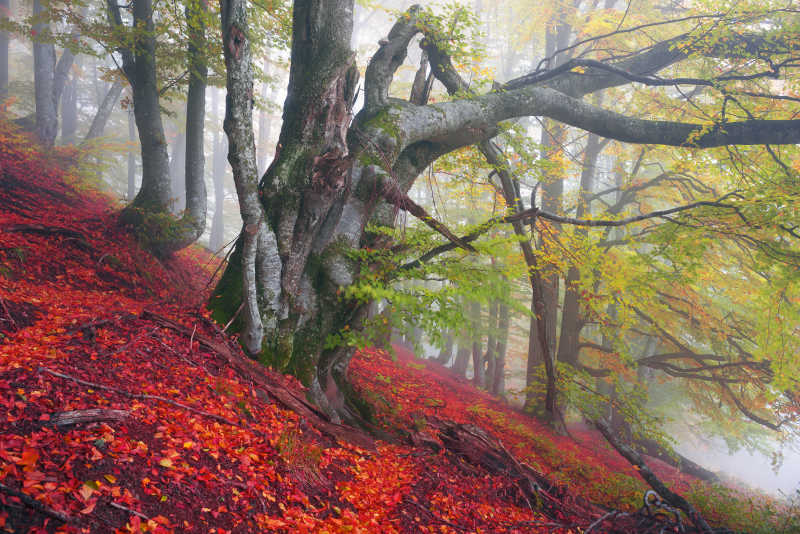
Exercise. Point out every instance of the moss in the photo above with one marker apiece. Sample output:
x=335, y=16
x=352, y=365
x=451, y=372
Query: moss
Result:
x=385, y=122
x=157, y=231
x=227, y=296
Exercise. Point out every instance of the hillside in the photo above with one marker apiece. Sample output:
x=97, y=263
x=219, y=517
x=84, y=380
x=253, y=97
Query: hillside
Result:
x=126, y=409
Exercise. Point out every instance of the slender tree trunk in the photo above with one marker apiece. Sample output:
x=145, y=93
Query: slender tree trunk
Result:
x=177, y=172
x=462, y=356
x=155, y=193
x=44, y=65
x=491, y=341
x=218, y=173
x=499, y=383
x=104, y=110
x=69, y=111
x=131, y=157
x=194, y=217
x=5, y=11
x=478, y=368
x=49, y=81
x=571, y=319
x=446, y=354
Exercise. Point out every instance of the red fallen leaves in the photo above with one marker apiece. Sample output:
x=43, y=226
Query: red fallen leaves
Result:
x=235, y=461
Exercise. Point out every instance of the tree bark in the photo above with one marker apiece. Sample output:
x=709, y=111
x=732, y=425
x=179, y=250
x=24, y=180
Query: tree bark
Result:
x=194, y=218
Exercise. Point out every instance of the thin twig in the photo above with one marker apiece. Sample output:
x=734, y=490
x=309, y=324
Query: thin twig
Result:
x=235, y=315
x=112, y=504
x=191, y=338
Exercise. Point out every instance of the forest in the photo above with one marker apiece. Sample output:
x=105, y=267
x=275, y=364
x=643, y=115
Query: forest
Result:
x=360, y=266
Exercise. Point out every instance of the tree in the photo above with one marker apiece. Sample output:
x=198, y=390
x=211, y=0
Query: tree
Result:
x=149, y=212
x=331, y=177
x=50, y=76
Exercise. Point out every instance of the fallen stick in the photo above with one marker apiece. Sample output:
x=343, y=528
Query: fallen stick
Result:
x=112, y=504
x=36, y=505
x=139, y=396
x=81, y=417
x=663, y=491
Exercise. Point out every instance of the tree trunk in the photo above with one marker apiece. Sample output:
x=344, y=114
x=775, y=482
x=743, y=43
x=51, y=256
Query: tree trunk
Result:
x=149, y=212
x=491, y=341
x=446, y=354
x=571, y=319
x=177, y=172
x=131, y=157
x=218, y=174
x=194, y=218
x=104, y=110
x=155, y=193
x=44, y=64
x=553, y=135
x=464, y=350
x=69, y=111
x=478, y=364
x=499, y=383
x=5, y=11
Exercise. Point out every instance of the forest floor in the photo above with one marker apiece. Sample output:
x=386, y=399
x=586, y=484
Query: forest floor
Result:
x=126, y=409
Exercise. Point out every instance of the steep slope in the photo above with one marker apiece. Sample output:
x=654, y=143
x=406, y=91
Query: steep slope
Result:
x=125, y=409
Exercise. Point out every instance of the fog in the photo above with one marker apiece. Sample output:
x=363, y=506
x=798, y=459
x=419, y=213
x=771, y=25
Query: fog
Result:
x=754, y=468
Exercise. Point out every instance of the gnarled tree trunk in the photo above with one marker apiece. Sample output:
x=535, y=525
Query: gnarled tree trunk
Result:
x=332, y=175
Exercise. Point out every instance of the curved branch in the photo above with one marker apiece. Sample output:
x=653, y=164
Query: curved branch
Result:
x=388, y=59
x=469, y=120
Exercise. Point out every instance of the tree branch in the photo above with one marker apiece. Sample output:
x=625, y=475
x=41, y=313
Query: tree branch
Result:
x=663, y=491
x=387, y=60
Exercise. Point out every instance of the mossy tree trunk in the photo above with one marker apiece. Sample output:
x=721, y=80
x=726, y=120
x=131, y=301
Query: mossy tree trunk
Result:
x=332, y=174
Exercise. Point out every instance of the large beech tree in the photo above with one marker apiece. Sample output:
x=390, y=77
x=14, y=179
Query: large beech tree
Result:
x=335, y=170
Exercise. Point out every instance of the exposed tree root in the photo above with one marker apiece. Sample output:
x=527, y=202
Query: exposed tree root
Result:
x=32, y=503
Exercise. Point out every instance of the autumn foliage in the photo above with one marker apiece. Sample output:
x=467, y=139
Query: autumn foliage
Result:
x=126, y=409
